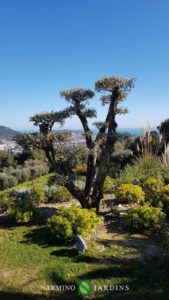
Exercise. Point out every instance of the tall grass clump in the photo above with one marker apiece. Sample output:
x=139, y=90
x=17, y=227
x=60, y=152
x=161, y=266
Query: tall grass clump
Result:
x=165, y=155
x=142, y=168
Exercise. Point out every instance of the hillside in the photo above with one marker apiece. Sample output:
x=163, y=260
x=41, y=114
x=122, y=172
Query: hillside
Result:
x=7, y=133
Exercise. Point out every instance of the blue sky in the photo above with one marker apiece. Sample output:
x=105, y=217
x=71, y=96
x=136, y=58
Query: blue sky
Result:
x=50, y=45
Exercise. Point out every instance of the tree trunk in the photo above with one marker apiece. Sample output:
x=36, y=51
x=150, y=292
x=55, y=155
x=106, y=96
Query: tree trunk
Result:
x=91, y=173
x=50, y=159
x=97, y=194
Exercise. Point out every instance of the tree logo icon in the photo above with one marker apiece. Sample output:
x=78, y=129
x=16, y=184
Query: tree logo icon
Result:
x=84, y=288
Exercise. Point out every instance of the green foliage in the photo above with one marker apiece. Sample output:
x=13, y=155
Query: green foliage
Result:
x=37, y=194
x=25, y=174
x=60, y=227
x=21, y=206
x=108, y=184
x=71, y=221
x=21, y=157
x=129, y=193
x=154, y=201
x=112, y=82
x=6, y=159
x=37, y=168
x=144, y=217
x=142, y=168
x=81, y=169
x=152, y=187
x=3, y=201
x=164, y=130
x=39, y=185
x=81, y=154
x=165, y=174
x=24, y=156
x=55, y=194
x=7, y=181
x=121, y=154
x=77, y=96
x=46, y=120
x=164, y=198
x=30, y=170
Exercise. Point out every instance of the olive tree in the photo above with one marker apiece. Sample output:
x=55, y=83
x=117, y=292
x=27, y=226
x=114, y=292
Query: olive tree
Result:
x=99, y=148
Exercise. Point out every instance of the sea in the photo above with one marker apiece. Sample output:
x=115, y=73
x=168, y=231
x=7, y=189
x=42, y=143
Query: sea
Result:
x=133, y=131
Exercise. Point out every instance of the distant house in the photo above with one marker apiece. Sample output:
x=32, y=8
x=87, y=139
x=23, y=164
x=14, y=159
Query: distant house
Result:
x=2, y=147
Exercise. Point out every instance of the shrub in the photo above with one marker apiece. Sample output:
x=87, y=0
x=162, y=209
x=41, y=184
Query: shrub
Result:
x=60, y=227
x=3, y=181
x=152, y=187
x=12, y=176
x=34, y=172
x=108, y=184
x=144, y=217
x=21, y=207
x=37, y=195
x=129, y=193
x=18, y=174
x=142, y=168
x=3, y=201
x=57, y=194
x=165, y=174
x=74, y=220
x=6, y=159
x=25, y=174
x=7, y=181
x=164, y=198
x=81, y=168
x=37, y=168
x=12, y=181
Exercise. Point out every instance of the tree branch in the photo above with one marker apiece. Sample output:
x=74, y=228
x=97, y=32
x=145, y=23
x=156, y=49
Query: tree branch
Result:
x=88, y=133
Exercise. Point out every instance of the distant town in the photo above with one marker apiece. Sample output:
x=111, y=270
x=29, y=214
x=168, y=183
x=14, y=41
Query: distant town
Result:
x=9, y=145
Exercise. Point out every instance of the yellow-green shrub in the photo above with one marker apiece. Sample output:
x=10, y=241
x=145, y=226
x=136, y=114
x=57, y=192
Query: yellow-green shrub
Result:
x=129, y=193
x=21, y=206
x=37, y=194
x=152, y=187
x=81, y=168
x=164, y=198
x=60, y=226
x=144, y=217
x=68, y=222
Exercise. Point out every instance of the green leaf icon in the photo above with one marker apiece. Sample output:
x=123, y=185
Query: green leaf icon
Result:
x=84, y=288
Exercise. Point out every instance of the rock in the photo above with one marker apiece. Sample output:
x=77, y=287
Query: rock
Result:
x=80, y=244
